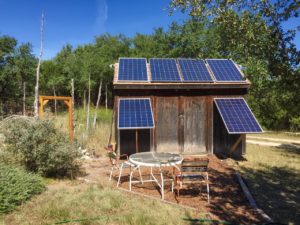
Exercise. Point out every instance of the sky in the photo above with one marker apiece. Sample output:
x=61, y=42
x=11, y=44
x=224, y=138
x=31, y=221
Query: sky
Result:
x=77, y=22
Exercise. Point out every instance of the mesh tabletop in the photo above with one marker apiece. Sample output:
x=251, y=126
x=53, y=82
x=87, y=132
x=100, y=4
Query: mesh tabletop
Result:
x=155, y=159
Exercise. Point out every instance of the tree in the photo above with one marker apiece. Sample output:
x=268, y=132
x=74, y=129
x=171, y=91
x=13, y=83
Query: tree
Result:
x=36, y=89
x=251, y=33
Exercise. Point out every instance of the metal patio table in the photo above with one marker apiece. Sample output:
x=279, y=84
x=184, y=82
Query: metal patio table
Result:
x=155, y=160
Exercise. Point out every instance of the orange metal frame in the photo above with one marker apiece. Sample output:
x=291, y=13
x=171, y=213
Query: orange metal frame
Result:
x=67, y=100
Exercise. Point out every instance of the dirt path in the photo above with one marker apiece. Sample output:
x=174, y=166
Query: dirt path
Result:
x=280, y=140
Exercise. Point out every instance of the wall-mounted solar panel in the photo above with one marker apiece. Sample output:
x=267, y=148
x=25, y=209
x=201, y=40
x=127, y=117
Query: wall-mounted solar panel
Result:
x=135, y=114
x=132, y=69
x=237, y=116
x=225, y=70
x=164, y=70
x=194, y=70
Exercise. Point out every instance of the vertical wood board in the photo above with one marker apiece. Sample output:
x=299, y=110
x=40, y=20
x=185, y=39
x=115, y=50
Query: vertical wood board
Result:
x=195, y=125
x=167, y=124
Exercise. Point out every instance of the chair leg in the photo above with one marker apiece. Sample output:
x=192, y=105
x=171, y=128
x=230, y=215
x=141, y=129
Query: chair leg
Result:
x=111, y=172
x=172, y=186
x=141, y=175
x=207, y=185
x=120, y=174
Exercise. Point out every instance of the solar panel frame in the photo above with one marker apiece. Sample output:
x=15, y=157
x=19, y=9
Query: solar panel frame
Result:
x=136, y=127
x=131, y=76
x=196, y=68
x=242, y=130
x=224, y=76
x=159, y=73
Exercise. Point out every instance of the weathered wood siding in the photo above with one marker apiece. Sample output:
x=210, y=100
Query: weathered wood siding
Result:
x=167, y=124
x=195, y=125
x=185, y=124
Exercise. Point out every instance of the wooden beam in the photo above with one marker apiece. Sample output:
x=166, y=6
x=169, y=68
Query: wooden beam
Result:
x=67, y=100
x=45, y=102
x=234, y=146
x=55, y=97
x=136, y=140
x=41, y=108
x=209, y=125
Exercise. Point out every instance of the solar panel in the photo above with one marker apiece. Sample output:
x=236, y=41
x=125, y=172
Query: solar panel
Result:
x=135, y=114
x=194, y=70
x=237, y=116
x=164, y=70
x=131, y=69
x=224, y=70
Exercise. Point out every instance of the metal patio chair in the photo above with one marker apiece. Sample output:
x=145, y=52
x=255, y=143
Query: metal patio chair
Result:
x=193, y=173
x=118, y=165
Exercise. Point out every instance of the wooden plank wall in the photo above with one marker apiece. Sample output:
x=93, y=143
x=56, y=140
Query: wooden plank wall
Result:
x=183, y=124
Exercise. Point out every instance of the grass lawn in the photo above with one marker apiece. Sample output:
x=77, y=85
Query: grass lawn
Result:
x=94, y=204
x=273, y=176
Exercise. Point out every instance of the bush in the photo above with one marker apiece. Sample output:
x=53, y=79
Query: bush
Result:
x=40, y=146
x=295, y=124
x=17, y=186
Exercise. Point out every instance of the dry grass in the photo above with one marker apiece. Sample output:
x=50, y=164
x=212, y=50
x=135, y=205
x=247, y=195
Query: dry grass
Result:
x=97, y=137
x=95, y=204
x=273, y=175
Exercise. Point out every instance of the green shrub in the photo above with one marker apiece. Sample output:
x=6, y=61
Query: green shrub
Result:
x=17, y=186
x=295, y=124
x=41, y=147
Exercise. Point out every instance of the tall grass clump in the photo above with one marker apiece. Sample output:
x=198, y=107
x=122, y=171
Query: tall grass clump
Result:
x=40, y=147
x=97, y=137
x=17, y=186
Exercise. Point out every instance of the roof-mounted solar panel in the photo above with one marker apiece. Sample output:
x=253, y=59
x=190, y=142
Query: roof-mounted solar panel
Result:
x=194, y=70
x=132, y=69
x=225, y=70
x=237, y=116
x=135, y=113
x=164, y=70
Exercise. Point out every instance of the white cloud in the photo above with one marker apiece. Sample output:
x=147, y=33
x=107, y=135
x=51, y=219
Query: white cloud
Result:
x=102, y=16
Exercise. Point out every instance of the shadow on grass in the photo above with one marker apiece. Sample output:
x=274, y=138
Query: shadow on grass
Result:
x=291, y=148
x=276, y=190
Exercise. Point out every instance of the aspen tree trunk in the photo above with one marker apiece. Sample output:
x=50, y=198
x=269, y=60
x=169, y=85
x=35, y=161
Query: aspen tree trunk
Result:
x=36, y=89
x=84, y=102
x=24, y=98
x=55, y=102
x=97, y=104
x=73, y=106
x=88, y=106
x=106, y=97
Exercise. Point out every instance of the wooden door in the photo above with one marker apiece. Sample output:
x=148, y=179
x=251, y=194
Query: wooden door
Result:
x=195, y=123
x=167, y=124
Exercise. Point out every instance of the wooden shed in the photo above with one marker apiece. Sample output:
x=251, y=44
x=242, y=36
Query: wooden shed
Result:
x=187, y=106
